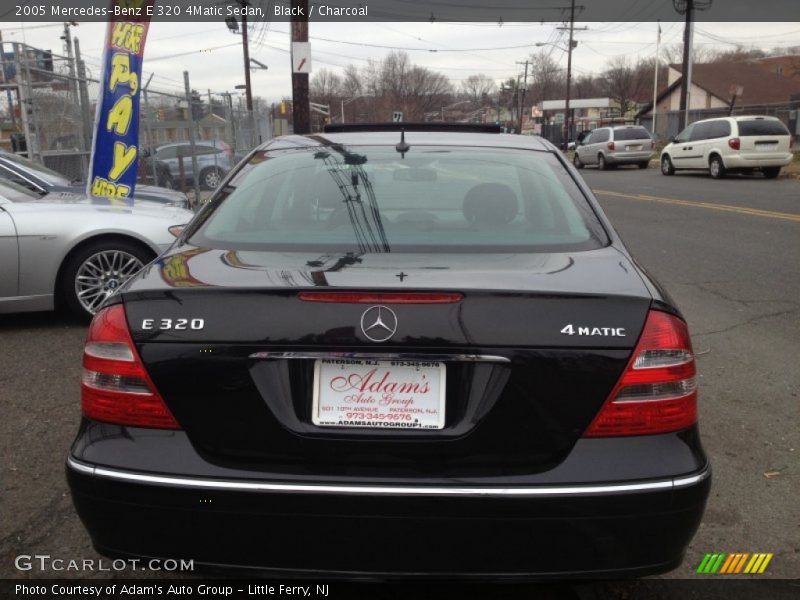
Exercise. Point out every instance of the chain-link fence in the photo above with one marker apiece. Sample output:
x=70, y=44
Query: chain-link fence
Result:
x=188, y=140
x=668, y=124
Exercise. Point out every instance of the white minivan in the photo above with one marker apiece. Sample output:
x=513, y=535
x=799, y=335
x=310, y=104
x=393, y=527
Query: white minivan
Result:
x=730, y=144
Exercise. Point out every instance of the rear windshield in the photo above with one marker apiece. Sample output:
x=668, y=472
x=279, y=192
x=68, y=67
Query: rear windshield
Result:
x=375, y=199
x=762, y=127
x=634, y=133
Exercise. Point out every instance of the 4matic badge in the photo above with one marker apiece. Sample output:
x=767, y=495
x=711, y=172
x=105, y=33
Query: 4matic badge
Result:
x=593, y=331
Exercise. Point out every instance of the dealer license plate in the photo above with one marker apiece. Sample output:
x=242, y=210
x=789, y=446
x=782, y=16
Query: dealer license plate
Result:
x=383, y=394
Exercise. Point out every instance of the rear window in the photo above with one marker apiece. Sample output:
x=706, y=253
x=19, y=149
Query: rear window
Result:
x=373, y=199
x=634, y=133
x=762, y=127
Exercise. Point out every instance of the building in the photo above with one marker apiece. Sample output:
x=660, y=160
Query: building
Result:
x=755, y=86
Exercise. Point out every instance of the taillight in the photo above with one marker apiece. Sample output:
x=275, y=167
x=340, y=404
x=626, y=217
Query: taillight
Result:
x=735, y=143
x=611, y=145
x=791, y=143
x=657, y=393
x=381, y=297
x=116, y=387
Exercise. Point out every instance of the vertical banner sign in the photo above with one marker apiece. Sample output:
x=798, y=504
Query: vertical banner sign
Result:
x=115, y=148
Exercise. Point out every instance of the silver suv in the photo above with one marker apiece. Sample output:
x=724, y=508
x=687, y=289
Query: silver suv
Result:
x=214, y=159
x=611, y=146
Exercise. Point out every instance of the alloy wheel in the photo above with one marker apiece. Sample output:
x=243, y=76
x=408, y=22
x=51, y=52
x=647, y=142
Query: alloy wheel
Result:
x=102, y=274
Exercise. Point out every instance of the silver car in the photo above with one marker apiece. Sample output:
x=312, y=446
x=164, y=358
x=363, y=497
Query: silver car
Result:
x=610, y=146
x=214, y=159
x=64, y=250
x=38, y=178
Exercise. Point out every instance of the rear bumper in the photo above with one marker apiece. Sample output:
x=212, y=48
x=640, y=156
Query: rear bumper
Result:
x=750, y=161
x=619, y=158
x=594, y=530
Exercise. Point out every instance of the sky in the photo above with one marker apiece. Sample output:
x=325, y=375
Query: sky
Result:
x=213, y=55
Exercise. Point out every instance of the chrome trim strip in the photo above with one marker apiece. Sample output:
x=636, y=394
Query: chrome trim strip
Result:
x=79, y=466
x=693, y=479
x=382, y=356
x=379, y=490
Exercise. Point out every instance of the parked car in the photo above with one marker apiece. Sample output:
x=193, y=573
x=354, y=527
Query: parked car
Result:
x=148, y=163
x=619, y=145
x=63, y=249
x=214, y=159
x=40, y=179
x=428, y=352
x=730, y=144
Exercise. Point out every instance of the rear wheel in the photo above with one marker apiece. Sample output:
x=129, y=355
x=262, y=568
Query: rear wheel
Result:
x=771, y=172
x=601, y=162
x=210, y=178
x=667, y=167
x=576, y=160
x=716, y=168
x=644, y=164
x=165, y=180
x=97, y=270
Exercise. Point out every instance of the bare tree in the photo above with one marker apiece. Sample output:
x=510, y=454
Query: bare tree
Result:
x=586, y=86
x=624, y=83
x=478, y=88
x=700, y=54
x=547, y=78
x=351, y=82
x=395, y=83
x=326, y=87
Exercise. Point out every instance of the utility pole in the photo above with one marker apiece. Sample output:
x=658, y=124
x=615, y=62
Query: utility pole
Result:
x=248, y=90
x=8, y=90
x=686, y=68
x=195, y=174
x=655, y=80
x=570, y=48
x=83, y=94
x=688, y=8
x=301, y=111
x=67, y=37
x=149, y=127
x=521, y=97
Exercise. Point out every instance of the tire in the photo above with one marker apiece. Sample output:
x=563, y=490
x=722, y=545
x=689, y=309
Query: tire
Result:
x=771, y=172
x=95, y=271
x=667, y=168
x=601, y=162
x=644, y=164
x=716, y=167
x=576, y=160
x=165, y=180
x=211, y=177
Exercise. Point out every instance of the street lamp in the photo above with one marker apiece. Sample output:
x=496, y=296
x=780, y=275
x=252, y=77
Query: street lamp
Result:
x=454, y=105
x=349, y=100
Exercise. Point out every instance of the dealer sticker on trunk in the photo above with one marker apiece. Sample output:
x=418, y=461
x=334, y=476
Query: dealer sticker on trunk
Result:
x=384, y=394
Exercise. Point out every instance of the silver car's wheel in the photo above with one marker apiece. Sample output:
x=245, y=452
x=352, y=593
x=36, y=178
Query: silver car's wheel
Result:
x=96, y=269
x=211, y=178
x=102, y=274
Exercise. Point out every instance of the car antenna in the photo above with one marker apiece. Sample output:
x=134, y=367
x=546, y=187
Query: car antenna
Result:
x=402, y=147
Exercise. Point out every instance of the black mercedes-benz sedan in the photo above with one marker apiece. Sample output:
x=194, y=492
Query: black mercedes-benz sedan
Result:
x=394, y=351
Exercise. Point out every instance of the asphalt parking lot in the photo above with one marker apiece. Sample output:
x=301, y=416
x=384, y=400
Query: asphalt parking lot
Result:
x=729, y=253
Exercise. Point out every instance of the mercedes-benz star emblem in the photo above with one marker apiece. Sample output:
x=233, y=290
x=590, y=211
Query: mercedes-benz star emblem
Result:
x=379, y=323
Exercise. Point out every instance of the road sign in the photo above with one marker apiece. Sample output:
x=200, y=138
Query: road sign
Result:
x=301, y=57
x=397, y=117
